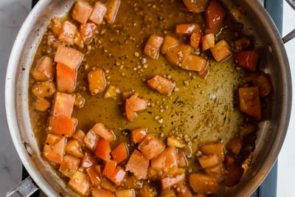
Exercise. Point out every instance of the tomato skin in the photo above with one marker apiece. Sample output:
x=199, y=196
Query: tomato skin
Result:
x=247, y=59
x=103, y=149
x=215, y=15
x=120, y=153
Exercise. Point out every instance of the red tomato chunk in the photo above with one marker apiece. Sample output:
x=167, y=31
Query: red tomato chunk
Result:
x=98, y=13
x=63, y=104
x=66, y=78
x=82, y=11
x=44, y=69
x=247, y=59
x=151, y=147
x=153, y=45
x=69, y=56
x=250, y=102
x=138, y=165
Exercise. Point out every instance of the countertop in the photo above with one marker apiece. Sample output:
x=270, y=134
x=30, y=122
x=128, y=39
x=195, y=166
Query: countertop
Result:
x=13, y=13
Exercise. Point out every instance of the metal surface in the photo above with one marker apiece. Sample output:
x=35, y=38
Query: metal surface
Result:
x=24, y=189
x=270, y=136
x=291, y=3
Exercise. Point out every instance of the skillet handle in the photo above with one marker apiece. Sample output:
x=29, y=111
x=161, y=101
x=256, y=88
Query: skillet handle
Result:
x=24, y=189
x=290, y=35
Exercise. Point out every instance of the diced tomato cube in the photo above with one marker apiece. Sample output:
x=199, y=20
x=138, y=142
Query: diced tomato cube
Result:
x=125, y=193
x=87, y=161
x=137, y=135
x=97, y=81
x=79, y=136
x=169, y=42
x=204, y=72
x=98, y=13
x=166, y=160
x=187, y=28
x=171, y=181
x=112, y=10
x=120, y=153
x=107, y=185
x=103, y=149
x=262, y=81
x=204, y=184
x=69, y=56
x=194, y=63
x=55, y=151
x=118, y=176
x=208, y=161
x=67, y=33
x=80, y=183
x=195, y=39
x=221, y=51
x=62, y=125
x=234, y=145
x=94, y=175
x=103, y=132
x=162, y=85
x=134, y=104
x=177, y=54
x=216, y=171
x=109, y=168
x=208, y=41
x=90, y=140
x=95, y=192
x=87, y=32
x=213, y=148
x=66, y=78
x=43, y=69
x=81, y=11
x=151, y=147
x=69, y=165
x=247, y=59
x=138, y=165
x=74, y=148
x=153, y=45
x=215, y=15
x=250, y=102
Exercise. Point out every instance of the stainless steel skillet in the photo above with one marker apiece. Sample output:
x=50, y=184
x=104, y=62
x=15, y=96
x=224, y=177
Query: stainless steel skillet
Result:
x=271, y=133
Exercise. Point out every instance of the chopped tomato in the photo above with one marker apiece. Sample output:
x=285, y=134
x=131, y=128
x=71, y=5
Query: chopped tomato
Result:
x=90, y=140
x=67, y=33
x=82, y=11
x=95, y=192
x=120, y=153
x=162, y=85
x=138, y=165
x=194, y=63
x=166, y=160
x=137, y=135
x=183, y=190
x=87, y=32
x=69, y=56
x=187, y=28
x=103, y=132
x=134, y=104
x=74, y=148
x=65, y=78
x=94, y=174
x=215, y=15
x=54, y=152
x=80, y=183
x=171, y=181
x=87, y=161
x=125, y=193
x=107, y=185
x=109, y=168
x=41, y=104
x=216, y=171
x=262, y=81
x=151, y=147
x=97, y=81
x=153, y=45
x=112, y=10
x=43, y=89
x=221, y=51
x=177, y=54
x=103, y=149
x=250, y=102
x=169, y=42
x=62, y=125
x=208, y=41
x=208, y=161
x=247, y=59
x=118, y=176
x=69, y=165
x=204, y=184
x=43, y=69
x=52, y=139
x=234, y=145
x=204, y=72
x=98, y=13
x=79, y=135
x=195, y=6
x=233, y=175
x=213, y=148
x=195, y=39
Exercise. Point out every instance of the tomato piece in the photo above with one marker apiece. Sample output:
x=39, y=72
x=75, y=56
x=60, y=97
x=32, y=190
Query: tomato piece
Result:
x=95, y=192
x=80, y=183
x=177, y=54
x=109, y=168
x=94, y=174
x=43, y=69
x=67, y=33
x=103, y=149
x=69, y=56
x=90, y=140
x=250, y=102
x=233, y=175
x=221, y=51
x=65, y=78
x=204, y=72
x=216, y=171
x=195, y=39
x=215, y=15
x=204, y=184
x=208, y=161
x=87, y=32
x=112, y=10
x=88, y=161
x=208, y=41
x=262, y=81
x=213, y=148
x=81, y=11
x=120, y=153
x=74, y=148
x=69, y=165
x=247, y=59
x=134, y=104
x=187, y=29
x=55, y=150
x=137, y=135
x=194, y=63
x=169, y=42
x=98, y=13
x=138, y=165
x=162, y=85
x=234, y=145
x=171, y=181
x=125, y=193
x=151, y=147
x=62, y=125
x=107, y=185
x=103, y=132
x=153, y=45
x=79, y=136
x=118, y=176
x=166, y=160
x=97, y=81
